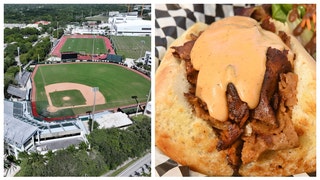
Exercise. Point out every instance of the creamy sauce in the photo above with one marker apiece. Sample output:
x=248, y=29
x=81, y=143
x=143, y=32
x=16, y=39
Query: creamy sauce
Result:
x=231, y=50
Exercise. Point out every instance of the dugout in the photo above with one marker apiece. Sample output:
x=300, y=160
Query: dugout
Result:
x=114, y=58
x=69, y=56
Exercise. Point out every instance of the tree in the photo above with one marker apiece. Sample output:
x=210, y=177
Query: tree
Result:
x=12, y=70
x=74, y=162
x=32, y=165
x=142, y=129
x=29, y=31
x=95, y=124
x=8, y=61
x=32, y=38
x=24, y=58
x=49, y=155
x=83, y=146
x=117, y=145
x=11, y=50
x=58, y=33
x=63, y=164
x=106, y=141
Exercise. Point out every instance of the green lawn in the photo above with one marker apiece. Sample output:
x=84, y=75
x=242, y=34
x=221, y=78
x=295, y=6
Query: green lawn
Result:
x=131, y=46
x=75, y=98
x=116, y=83
x=84, y=46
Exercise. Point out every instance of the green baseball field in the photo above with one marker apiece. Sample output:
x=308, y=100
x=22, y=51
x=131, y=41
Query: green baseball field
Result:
x=116, y=84
x=84, y=46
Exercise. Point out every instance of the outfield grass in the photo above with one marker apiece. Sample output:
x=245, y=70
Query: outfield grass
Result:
x=76, y=98
x=84, y=45
x=116, y=83
x=131, y=46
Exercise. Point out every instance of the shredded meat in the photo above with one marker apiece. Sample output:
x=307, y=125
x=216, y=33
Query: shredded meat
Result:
x=183, y=52
x=256, y=12
x=234, y=156
x=269, y=123
x=284, y=37
x=268, y=25
x=202, y=112
x=283, y=137
x=256, y=144
x=229, y=136
x=287, y=88
x=238, y=110
x=277, y=63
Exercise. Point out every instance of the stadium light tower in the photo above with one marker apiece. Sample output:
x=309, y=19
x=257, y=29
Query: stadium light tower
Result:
x=19, y=63
x=94, y=89
x=135, y=97
x=142, y=43
x=57, y=28
x=92, y=55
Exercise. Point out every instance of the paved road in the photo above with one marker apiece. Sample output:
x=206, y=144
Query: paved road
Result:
x=135, y=166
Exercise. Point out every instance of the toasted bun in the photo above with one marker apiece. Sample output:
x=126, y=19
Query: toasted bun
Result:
x=192, y=142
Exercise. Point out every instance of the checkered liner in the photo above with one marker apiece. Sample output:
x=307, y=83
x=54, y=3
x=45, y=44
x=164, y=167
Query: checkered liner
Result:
x=173, y=19
x=170, y=168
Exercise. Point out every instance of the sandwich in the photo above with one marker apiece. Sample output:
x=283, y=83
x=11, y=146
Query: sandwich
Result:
x=232, y=98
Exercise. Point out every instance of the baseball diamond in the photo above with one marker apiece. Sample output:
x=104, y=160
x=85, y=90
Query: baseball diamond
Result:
x=65, y=90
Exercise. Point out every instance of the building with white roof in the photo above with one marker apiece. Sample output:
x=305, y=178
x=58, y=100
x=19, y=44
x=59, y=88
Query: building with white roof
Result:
x=128, y=24
x=19, y=136
x=118, y=120
x=133, y=28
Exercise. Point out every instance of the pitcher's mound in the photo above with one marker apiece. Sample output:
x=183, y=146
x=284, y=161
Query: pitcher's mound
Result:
x=66, y=98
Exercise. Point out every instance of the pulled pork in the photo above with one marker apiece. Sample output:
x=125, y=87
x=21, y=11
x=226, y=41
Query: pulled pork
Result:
x=249, y=132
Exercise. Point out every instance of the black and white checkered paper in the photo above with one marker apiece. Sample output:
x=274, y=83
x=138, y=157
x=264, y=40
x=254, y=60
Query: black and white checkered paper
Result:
x=171, y=20
x=166, y=167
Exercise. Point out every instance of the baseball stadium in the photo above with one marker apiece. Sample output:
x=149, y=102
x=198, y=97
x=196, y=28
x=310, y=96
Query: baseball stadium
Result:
x=86, y=80
x=66, y=90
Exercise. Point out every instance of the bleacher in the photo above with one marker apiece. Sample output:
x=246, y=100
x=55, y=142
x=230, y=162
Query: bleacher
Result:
x=16, y=132
x=29, y=107
x=19, y=127
x=17, y=109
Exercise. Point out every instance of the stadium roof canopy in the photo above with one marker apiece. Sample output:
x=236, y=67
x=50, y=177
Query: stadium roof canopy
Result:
x=18, y=129
x=16, y=91
x=117, y=119
x=23, y=78
x=15, y=131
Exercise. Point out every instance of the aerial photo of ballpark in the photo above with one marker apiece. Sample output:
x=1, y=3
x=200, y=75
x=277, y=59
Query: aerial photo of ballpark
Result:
x=77, y=90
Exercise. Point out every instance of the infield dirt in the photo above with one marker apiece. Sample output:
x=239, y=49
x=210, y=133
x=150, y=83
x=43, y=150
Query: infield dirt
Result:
x=86, y=91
